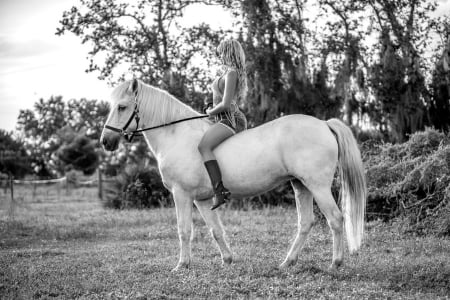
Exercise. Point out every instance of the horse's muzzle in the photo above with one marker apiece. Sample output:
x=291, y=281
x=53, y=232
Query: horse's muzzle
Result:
x=110, y=143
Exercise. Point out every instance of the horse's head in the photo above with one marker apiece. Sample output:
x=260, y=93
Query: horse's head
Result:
x=122, y=117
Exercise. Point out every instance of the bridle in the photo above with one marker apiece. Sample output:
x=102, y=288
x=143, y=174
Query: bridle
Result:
x=129, y=135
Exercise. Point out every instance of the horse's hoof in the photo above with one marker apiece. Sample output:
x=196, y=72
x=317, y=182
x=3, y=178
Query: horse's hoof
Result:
x=287, y=263
x=227, y=260
x=335, y=265
x=180, y=267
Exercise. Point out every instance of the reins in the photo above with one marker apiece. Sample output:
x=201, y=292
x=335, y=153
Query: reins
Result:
x=128, y=135
x=171, y=123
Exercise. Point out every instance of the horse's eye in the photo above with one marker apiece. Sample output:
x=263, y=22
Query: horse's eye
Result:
x=121, y=108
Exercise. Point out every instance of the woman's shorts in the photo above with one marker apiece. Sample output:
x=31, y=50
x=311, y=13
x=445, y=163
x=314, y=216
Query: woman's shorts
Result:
x=235, y=121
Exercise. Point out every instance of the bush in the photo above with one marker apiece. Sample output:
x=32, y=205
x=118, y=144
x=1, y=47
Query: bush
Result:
x=411, y=181
x=137, y=187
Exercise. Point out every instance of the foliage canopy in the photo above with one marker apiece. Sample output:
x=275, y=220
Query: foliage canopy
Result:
x=363, y=60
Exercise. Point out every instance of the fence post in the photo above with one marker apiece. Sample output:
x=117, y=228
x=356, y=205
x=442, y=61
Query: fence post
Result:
x=67, y=185
x=100, y=184
x=12, y=204
x=33, y=193
x=58, y=189
x=11, y=185
x=5, y=187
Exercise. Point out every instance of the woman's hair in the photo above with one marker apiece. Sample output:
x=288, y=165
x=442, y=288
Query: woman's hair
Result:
x=233, y=56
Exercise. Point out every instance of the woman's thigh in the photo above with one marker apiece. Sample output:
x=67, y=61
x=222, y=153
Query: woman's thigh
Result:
x=215, y=135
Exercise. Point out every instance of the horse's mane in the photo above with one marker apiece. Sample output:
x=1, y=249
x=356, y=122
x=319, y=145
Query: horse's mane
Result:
x=156, y=106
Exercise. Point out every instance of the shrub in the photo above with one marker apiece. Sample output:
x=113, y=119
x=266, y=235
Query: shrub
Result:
x=368, y=135
x=137, y=187
x=411, y=181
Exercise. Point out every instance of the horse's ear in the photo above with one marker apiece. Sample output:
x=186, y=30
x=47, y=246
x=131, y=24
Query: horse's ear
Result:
x=133, y=86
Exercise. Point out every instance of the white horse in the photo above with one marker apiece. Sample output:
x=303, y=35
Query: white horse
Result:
x=298, y=148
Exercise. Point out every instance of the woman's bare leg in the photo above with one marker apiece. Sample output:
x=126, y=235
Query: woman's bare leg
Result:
x=215, y=135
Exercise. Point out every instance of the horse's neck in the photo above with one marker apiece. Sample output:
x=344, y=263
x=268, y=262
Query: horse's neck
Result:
x=159, y=108
x=185, y=135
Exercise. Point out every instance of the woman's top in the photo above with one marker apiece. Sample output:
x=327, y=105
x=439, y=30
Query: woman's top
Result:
x=233, y=117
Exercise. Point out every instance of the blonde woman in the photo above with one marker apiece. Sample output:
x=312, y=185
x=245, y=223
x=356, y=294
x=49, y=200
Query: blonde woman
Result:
x=229, y=90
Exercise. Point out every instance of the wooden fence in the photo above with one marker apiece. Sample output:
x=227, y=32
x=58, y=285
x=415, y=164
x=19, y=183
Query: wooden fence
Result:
x=60, y=183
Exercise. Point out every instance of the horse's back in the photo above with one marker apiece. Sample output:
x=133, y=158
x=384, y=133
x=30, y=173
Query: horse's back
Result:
x=271, y=151
x=289, y=128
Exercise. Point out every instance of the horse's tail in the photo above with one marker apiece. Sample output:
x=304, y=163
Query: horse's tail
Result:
x=353, y=184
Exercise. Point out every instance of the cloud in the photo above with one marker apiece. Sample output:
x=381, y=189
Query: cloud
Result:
x=34, y=63
x=19, y=49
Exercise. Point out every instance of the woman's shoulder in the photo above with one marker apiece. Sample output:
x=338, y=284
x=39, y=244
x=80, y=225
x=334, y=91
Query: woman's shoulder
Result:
x=231, y=73
x=231, y=70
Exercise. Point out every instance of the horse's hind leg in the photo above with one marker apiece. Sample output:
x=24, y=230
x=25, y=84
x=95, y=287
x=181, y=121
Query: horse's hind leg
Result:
x=304, y=203
x=329, y=208
x=212, y=220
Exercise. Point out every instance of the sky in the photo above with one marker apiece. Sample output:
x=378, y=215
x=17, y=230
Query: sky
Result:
x=35, y=63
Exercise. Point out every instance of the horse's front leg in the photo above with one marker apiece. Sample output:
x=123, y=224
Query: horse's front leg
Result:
x=212, y=220
x=183, y=205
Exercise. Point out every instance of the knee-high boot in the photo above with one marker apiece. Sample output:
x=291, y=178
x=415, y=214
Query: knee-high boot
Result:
x=220, y=192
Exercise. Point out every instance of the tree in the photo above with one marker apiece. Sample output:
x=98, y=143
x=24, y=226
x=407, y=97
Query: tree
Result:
x=278, y=63
x=53, y=123
x=87, y=115
x=138, y=37
x=80, y=154
x=38, y=129
x=439, y=106
x=398, y=77
x=343, y=37
x=14, y=159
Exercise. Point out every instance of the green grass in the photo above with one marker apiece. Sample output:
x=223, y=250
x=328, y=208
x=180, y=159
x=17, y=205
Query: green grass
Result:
x=74, y=248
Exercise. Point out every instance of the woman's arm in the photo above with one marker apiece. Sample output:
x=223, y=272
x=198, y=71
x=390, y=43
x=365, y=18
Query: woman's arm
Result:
x=230, y=89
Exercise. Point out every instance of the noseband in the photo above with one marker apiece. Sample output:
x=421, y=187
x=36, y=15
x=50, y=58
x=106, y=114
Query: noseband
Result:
x=129, y=135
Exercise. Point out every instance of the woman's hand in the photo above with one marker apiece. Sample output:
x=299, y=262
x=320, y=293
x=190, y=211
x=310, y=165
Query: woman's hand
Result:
x=209, y=106
x=208, y=110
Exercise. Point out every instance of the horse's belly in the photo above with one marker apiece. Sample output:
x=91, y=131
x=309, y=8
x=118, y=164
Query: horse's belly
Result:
x=251, y=168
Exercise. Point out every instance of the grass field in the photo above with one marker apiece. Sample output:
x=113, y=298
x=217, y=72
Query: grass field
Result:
x=73, y=248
